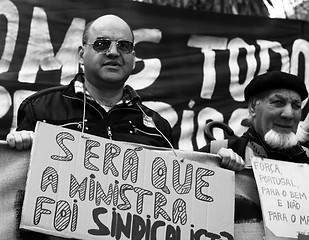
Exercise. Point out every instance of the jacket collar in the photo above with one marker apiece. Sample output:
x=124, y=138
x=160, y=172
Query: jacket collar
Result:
x=75, y=89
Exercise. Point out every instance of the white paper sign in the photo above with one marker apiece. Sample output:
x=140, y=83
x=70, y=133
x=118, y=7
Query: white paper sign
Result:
x=83, y=186
x=284, y=193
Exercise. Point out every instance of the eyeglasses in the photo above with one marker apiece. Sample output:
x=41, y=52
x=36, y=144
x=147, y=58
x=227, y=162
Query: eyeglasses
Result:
x=104, y=45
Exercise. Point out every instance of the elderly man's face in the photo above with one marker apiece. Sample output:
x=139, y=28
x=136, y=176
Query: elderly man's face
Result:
x=279, y=110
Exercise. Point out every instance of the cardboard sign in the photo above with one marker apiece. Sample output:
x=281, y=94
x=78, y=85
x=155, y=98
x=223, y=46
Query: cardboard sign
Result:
x=83, y=186
x=284, y=194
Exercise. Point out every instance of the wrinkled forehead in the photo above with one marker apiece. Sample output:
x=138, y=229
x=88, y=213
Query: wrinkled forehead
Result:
x=110, y=27
x=282, y=93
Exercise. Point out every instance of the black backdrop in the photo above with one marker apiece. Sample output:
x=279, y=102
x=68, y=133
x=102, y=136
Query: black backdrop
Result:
x=191, y=67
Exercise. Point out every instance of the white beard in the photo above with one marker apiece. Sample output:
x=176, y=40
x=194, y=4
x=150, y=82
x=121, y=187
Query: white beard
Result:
x=280, y=140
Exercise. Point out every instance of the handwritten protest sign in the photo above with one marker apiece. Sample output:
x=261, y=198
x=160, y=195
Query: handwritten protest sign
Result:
x=284, y=195
x=83, y=186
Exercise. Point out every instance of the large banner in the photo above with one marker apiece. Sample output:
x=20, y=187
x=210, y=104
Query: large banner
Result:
x=192, y=66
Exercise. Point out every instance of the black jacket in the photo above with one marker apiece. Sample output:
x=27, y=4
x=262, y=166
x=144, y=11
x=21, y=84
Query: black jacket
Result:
x=130, y=121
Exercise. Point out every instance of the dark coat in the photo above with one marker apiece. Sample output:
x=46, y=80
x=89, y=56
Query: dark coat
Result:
x=130, y=121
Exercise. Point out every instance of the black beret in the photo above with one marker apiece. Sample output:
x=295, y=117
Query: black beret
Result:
x=275, y=80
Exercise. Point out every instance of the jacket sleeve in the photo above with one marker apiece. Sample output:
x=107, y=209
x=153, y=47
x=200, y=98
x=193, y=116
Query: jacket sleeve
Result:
x=25, y=116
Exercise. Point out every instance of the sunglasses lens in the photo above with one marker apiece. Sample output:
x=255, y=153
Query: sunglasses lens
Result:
x=101, y=45
x=124, y=46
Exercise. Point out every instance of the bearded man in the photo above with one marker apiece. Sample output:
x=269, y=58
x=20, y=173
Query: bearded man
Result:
x=274, y=103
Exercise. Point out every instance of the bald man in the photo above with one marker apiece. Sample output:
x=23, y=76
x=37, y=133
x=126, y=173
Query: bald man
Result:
x=97, y=101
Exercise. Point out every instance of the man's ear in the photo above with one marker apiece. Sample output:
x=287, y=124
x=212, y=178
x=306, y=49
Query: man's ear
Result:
x=133, y=59
x=81, y=55
x=252, y=107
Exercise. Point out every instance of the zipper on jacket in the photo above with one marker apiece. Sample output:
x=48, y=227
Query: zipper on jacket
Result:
x=109, y=133
x=137, y=130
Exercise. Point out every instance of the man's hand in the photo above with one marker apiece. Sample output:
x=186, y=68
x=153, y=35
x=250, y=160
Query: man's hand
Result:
x=20, y=140
x=231, y=160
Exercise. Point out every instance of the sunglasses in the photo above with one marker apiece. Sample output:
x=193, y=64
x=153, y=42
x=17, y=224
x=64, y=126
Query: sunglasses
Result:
x=104, y=45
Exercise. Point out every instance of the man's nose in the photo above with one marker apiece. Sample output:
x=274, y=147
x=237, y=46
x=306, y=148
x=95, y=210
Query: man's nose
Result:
x=113, y=48
x=288, y=111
